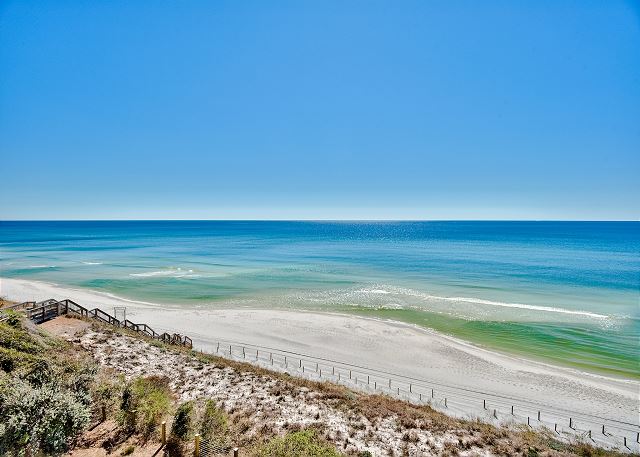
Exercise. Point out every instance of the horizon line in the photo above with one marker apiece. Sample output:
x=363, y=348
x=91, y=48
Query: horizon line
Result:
x=319, y=220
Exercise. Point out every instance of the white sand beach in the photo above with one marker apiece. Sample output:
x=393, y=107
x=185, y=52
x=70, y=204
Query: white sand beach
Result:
x=389, y=346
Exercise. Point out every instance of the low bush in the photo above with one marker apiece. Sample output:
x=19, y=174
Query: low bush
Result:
x=43, y=397
x=304, y=443
x=107, y=392
x=214, y=426
x=145, y=402
x=181, y=426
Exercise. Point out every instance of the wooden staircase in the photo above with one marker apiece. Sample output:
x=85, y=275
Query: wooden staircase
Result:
x=43, y=311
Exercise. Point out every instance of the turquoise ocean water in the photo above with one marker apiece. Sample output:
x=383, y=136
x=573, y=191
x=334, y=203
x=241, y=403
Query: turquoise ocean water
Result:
x=563, y=292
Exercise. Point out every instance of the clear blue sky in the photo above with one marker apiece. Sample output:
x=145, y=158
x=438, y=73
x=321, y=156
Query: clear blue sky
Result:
x=320, y=109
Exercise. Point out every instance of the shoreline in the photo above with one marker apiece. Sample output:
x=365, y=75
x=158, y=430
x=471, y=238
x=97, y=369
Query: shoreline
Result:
x=405, y=349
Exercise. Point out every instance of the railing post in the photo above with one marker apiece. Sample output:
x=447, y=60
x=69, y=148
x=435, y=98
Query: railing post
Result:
x=196, y=449
x=235, y=452
x=163, y=433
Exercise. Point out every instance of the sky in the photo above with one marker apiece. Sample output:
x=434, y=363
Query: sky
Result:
x=326, y=109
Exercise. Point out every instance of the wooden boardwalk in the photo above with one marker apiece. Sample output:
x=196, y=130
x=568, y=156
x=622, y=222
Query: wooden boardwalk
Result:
x=43, y=311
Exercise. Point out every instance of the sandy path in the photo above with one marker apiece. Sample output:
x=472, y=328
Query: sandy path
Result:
x=392, y=347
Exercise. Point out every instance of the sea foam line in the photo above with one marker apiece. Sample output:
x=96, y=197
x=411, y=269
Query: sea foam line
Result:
x=174, y=272
x=550, y=309
x=480, y=301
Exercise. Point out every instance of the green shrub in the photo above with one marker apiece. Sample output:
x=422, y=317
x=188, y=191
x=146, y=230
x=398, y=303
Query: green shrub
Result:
x=145, y=401
x=44, y=395
x=14, y=319
x=182, y=420
x=304, y=443
x=13, y=360
x=214, y=425
x=43, y=418
x=106, y=391
x=14, y=337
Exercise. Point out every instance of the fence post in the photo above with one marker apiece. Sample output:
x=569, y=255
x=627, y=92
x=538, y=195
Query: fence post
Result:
x=571, y=423
x=244, y=356
x=555, y=428
x=538, y=416
x=196, y=449
x=495, y=415
x=163, y=433
x=484, y=404
x=512, y=411
x=445, y=402
x=235, y=452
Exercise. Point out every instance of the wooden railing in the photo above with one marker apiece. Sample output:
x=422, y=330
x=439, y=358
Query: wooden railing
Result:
x=43, y=311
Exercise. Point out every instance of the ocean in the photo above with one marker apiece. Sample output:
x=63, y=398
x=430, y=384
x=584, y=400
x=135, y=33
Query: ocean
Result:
x=566, y=293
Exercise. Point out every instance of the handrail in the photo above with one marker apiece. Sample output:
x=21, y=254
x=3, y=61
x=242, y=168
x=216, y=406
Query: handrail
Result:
x=48, y=309
x=19, y=305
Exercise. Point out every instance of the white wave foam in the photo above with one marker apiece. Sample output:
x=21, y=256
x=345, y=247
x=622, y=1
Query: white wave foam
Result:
x=172, y=272
x=374, y=291
x=386, y=290
x=92, y=263
x=41, y=266
x=550, y=309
